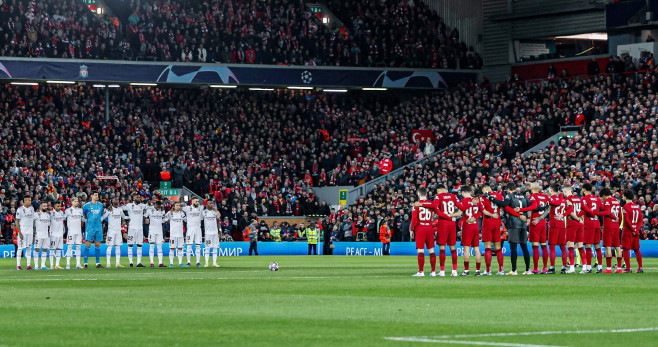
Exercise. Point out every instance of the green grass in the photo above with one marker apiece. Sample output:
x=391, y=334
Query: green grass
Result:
x=324, y=301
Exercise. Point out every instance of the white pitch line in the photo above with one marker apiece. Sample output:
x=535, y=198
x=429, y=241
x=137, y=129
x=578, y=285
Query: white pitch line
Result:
x=461, y=342
x=543, y=333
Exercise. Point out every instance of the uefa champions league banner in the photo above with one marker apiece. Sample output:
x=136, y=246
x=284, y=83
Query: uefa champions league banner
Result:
x=235, y=249
x=250, y=75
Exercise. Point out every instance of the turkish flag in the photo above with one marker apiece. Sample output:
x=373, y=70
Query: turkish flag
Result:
x=420, y=136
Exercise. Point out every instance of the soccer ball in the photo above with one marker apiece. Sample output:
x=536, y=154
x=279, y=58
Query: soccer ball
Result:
x=274, y=266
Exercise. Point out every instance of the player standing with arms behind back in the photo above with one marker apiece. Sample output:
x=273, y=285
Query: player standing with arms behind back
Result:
x=74, y=234
x=93, y=211
x=57, y=218
x=155, y=217
x=114, y=216
x=211, y=218
x=135, y=212
x=193, y=236
x=25, y=224
x=448, y=208
x=633, y=221
x=176, y=218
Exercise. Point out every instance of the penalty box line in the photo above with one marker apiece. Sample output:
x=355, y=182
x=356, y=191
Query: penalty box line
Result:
x=448, y=339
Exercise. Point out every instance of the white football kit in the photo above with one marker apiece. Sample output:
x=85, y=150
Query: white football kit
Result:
x=194, y=216
x=135, y=225
x=74, y=225
x=114, y=232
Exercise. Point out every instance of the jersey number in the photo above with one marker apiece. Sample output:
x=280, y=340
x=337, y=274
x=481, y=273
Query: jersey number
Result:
x=424, y=214
x=449, y=207
x=635, y=217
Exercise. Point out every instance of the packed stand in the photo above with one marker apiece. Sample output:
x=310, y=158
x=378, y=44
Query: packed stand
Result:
x=401, y=33
x=617, y=147
x=238, y=32
x=57, y=29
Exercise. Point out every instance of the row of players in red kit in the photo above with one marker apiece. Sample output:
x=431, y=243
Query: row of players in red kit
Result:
x=573, y=223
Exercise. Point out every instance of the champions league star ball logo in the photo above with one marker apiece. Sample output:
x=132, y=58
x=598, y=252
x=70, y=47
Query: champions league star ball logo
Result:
x=84, y=73
x=307, y=77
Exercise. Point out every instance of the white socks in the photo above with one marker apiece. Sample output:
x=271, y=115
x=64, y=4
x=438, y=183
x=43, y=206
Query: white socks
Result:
x=139, y=254
x=208, y=251
x=109, y=255
x=130, y=253
x=151, y=251
x=118, y=255
x=214, y=256
x=43, y=257
x=58, y=256
x=159, y=254
x=171, y=255
x=180, y=256
x=18, y=256
x=198, y=254
x=189, y=253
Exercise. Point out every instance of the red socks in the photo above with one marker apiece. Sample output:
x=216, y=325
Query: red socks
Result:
x=499, y=256
x=454, y=259
x=638, y=257
x=477, y=266
x=583, y=257
x=487, y=258
x=563, y=249
x=465, y=265
x=599, y=256
x=588, y=256
x=442, y=259
x=552, y=255
x=627, y=259
x=433, y=261
x=544, y=255
x=608, y=262
x=421, y=262
x=535, y=256
x=572, y=256
x=619, y=262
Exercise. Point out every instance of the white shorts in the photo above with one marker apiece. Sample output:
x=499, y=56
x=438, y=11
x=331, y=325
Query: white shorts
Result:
x=74, y=239
x=41, y=242
x=26, y=242
x=114, y=239
x=175, y=242
x=193, y=237
x=135, y=236
x=56, y=242
x=156, y=239
x=212, y=241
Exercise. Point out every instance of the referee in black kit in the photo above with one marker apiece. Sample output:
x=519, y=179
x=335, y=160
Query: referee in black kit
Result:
x=517, y=232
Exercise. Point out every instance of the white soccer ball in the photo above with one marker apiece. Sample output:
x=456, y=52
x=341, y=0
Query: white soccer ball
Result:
x=274, y=266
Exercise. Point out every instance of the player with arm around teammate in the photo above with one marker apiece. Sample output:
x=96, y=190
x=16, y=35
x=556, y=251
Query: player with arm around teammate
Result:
x=423, y=233
x=211, y=224
x=630, y=236
x=611, y=219
x=472, y=209
x=592, y=236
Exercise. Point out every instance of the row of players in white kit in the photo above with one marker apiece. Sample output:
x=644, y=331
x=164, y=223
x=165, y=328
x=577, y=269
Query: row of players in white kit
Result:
x=48, y=230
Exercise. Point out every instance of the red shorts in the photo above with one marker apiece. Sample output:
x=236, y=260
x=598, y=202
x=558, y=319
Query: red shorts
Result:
x=628, y=241
x=557, y=236
x=610, y=237
x=537, y=232
x=491, y=231
x=447, y=234
x=424, y=238
x=592, y=234
x=572, y=232
x=471, y=235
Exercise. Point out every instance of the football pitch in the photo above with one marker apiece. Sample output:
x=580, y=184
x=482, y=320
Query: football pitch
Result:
x=323, y=301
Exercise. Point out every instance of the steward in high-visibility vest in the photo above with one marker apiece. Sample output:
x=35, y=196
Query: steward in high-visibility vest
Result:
x=385, y=237
x=312, y=237
x=275, y=232
x=251, y=235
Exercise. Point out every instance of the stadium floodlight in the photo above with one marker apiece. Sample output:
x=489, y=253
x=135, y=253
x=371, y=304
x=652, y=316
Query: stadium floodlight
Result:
x=99, y=86
x=372, y=88
x=335, y=90
x=60, y=82
x=295, y=87
x=113, y=86
x=263, y=89
x=143, y=84
x=25, y=83
x=223, y=86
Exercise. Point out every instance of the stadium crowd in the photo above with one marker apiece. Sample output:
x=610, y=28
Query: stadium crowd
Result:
x=238, y=32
